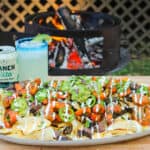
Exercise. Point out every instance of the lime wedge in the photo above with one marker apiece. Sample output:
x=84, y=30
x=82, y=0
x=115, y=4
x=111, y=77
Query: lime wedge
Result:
x=42, y=37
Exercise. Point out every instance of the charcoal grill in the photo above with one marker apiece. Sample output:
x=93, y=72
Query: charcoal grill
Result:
x=114, y=57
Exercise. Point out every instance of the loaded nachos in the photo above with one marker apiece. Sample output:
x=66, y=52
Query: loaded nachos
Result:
x=80, y=107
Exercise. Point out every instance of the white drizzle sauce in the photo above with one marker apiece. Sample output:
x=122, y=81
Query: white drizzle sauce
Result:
x=1, y=116
x=52, y=133
x=141, y=94
x=43, y=130
x=25, y=123
x=53, y=115
x=42, y=134
x=140, y=112
x=97, y=127
x=136, y=112
x=66, y=111
x=135, y=97
x=53, y=104
x=110, y=96
x=46, y=112
x=134, y=85
x=102, y=80
x=42, y=112
x=28, y=96
x=84, y=108
x=47, y=108
x=2, y=124
x=51, y=83
x=92, y=130
x=35, y=100
x=126, y=86
x=27, y=90
x=53, y=93
x=133, y=93
x=28, y=111
x=34, y=123
x=97, y=108
x=60, y=93
x=82, y=118
x=14, y=95
x=49, y=103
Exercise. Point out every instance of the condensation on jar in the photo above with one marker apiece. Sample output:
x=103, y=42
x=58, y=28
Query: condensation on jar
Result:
x=8, y=66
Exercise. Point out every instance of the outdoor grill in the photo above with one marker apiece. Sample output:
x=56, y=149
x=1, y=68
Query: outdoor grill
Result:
x=82, y=42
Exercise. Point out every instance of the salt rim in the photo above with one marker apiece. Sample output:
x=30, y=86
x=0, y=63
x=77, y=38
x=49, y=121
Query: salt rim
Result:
x=26, y=44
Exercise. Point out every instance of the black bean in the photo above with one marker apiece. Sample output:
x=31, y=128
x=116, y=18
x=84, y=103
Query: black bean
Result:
x=67, y=129
x=85, y=132
x=34, y=108
x=64, y=138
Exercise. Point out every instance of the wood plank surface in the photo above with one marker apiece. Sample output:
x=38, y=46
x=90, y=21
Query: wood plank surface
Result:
x=137, y=144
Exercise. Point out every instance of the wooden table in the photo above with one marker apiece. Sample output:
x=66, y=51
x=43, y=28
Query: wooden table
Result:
x=138, y=144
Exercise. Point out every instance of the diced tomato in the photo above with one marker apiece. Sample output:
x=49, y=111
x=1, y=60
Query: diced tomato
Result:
x=33, y=88
x=103, y=96
x=37, y=81
x=117, y=108
x=94, y=78
x=140, y=99
x=98, y=108
x=114, y=90
x=95, y=117
x=85, y=110
x=7, y=101
x=45, y=101
x=109, y=118
x=18, y=86
x=9, y=118
x=59, y=105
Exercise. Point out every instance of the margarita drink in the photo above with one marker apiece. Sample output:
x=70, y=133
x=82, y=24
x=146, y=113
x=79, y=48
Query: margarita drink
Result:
x=32, y=59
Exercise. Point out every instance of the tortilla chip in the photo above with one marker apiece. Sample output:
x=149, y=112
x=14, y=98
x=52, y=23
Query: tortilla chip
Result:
x=30, y=124
x=130, y=125
x=115, y=132
x=43, y=134
x=5, y=130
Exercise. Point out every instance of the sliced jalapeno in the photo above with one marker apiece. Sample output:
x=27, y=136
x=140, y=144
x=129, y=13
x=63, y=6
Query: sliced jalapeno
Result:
x=66, y=114
x=19, y=105
x=91, y=101
x=41, y=95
